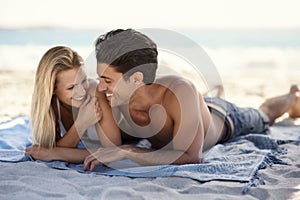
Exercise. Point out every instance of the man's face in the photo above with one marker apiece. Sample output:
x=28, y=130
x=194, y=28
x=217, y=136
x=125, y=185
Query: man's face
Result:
x=71, y=87
x=116, y=89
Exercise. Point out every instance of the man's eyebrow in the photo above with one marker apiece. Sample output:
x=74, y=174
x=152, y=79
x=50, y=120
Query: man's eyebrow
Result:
x=105, y=77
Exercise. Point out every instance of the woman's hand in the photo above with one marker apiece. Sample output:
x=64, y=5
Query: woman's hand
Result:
x=89, y=113
x=39, y=153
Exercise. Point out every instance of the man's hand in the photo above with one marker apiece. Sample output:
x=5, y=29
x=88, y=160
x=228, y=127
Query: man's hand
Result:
x=105, y=156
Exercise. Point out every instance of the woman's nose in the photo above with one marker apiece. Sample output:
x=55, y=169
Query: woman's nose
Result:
x=80, y=90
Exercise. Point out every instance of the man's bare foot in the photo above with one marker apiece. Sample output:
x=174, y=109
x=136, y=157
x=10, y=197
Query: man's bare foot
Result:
x=294, y=111
x=294, y=89
x=277, y=106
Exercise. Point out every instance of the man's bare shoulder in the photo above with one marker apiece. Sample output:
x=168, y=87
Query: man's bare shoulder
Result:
x=177, y=89
x=173, y=81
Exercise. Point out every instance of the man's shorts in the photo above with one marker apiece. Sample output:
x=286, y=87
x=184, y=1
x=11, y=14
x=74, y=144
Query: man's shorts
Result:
x=239, y=121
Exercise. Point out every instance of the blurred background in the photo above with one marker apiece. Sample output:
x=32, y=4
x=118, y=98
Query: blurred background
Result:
x=254, y=44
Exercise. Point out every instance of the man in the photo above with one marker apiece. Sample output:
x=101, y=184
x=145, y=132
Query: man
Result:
x=169, y=111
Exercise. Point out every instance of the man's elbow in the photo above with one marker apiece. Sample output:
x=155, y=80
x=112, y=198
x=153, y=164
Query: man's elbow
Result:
x=187, y=159
x=195, y=160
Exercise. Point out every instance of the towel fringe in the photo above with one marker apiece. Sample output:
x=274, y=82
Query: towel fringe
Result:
x=254, y=182
x=269, y=160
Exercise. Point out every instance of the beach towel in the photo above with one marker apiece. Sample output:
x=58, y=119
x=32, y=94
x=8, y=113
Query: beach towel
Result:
x=237, y=160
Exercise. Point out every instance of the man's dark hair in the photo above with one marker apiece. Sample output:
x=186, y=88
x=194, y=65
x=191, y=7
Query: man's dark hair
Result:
x=128, y=51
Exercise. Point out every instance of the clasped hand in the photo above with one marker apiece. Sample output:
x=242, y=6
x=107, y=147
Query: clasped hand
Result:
x=89, y=113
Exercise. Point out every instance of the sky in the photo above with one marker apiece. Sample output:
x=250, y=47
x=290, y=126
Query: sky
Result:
x=237, y=14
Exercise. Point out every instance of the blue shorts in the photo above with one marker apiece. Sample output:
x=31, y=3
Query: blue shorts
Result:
x=239, y=121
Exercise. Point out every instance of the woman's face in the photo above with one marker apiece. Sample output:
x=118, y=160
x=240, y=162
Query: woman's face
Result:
x=71, y=86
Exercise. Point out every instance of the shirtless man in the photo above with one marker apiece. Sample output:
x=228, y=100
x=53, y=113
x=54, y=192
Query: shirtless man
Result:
x=177, y=120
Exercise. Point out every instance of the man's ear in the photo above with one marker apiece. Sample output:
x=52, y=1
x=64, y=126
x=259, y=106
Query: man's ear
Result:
x=137, y=78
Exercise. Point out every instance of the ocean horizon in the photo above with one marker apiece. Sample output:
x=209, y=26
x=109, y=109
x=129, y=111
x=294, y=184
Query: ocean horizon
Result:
x=231, y=50
x=213, y=38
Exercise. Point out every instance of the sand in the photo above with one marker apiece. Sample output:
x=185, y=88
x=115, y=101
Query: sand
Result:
x=31, y=180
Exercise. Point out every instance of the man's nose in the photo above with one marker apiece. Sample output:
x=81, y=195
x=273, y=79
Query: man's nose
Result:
x=102, y=86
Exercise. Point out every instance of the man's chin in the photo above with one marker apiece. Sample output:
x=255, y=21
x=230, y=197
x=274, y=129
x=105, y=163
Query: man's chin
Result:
x=115, y=103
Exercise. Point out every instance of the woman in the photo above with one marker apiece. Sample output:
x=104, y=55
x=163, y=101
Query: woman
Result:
x=65, y=106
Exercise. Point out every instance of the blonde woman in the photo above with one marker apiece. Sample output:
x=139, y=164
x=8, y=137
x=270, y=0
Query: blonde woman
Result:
x=65, y=106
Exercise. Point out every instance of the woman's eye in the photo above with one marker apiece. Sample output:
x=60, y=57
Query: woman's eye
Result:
x=71, y=88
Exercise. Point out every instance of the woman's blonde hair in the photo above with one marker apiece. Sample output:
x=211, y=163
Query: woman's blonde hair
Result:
x=43, y=119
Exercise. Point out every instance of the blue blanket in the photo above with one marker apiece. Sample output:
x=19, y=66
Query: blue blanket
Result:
x=237, y=160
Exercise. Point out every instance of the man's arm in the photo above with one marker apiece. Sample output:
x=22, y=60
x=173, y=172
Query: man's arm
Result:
x=182, y=105
x=188, y=132
x=139, y=155
x=158, y=157
x=107, y=128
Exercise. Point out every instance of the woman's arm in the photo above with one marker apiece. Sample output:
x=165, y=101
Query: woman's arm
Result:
x=71, y=138
x=89, y=114
x=73, y=155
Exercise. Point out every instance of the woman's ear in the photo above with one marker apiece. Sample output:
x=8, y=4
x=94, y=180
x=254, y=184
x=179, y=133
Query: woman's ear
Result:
x=54, y=89
x=137, y=78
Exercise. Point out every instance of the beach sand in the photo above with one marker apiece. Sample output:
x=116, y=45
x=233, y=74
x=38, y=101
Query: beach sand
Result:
x=15, y=91
x=32, y=180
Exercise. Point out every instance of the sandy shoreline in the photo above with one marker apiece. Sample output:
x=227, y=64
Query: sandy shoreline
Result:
x=247, y=88
x=16, y=90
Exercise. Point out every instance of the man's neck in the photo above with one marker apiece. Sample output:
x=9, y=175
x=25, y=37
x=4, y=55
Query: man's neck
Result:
x=142, y=98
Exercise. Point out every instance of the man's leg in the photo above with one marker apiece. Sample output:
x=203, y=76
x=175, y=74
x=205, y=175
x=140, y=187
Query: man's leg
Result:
x=277, y=106
x=216, y=91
